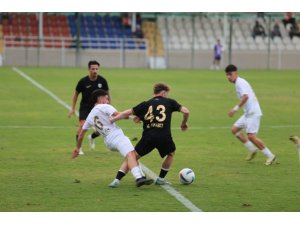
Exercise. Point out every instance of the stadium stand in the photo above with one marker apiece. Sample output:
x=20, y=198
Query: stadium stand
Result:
x=172, y=37
x=175, y=32
x=152, y=33
x=60, y=30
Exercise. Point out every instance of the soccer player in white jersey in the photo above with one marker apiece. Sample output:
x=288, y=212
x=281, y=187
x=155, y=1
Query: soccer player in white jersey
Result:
x=250, y=120
x=113, y=135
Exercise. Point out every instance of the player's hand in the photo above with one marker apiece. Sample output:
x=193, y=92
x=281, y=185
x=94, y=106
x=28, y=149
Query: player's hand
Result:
x=184, y=126
x=75, y=153
x=231, y=112
x=71, y=113
x=136, y=119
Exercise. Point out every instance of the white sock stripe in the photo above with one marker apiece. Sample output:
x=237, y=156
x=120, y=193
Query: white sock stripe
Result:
x=122, y=171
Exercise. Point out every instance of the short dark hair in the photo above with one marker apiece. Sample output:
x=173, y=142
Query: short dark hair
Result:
x=231, y=68
x=158, y=87
x=97, y=93
x=93, y=62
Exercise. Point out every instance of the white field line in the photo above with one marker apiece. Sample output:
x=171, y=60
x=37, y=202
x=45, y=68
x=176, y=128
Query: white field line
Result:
x=41, y=87
x=187, y=203
x=168, y=188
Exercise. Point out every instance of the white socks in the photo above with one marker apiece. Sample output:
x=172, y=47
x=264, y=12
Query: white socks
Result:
x=136, y=172
x=141, y=171
x=250, y=146
x=267, y=152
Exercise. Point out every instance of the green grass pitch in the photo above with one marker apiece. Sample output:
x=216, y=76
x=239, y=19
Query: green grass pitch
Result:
x=37, y=138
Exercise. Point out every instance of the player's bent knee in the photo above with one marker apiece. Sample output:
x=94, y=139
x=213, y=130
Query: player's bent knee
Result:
x=251, y=137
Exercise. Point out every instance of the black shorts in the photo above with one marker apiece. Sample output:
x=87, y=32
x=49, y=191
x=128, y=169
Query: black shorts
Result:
x=164, y=145
x=84, y=112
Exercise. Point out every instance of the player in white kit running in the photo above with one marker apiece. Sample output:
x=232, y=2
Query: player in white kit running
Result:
x=250, y=120
x=113, y=135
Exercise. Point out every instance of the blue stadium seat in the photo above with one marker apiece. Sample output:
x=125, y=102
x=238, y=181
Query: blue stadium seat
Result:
x=98, y=19
x=100, y=28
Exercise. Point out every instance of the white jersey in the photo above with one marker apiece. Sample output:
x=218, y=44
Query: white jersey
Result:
x=251, y=107
x=99, y=119
x=113, y=135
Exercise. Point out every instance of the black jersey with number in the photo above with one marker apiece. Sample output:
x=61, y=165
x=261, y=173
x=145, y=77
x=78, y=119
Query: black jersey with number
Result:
x=86, y=86
x=156, y=115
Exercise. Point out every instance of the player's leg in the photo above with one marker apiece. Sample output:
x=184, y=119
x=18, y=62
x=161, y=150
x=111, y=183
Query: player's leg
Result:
x=218, y=63
x=126, y=149
x=213, y=64
x=264, y=149
x=141, y=146
x=91, y=139
x=81, y=122
x=83, y=114
x=165, y=169
x=252, y=129
x=120, y=174
x=136, y=170
x=166, y=148
x=242, y=137
x=213, y=67
x=123, y=170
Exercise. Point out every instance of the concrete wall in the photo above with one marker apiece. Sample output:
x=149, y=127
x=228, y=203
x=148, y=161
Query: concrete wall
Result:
x=68, y=57
x=244, y=59
x=185, y=59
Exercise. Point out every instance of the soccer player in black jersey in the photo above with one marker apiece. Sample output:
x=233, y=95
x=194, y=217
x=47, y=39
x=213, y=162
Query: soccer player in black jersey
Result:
x=156, y=115
x=86, y=86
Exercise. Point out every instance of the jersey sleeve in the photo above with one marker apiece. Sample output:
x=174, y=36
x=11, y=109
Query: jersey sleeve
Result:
x=175, y=105
x=105, y=85
x=109, y=110
x=88, y=123
x=79, y=86
x=138, y=110
x=243, y=88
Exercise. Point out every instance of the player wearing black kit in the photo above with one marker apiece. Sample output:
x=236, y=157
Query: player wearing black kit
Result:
x=156, y=115
x=86, y=86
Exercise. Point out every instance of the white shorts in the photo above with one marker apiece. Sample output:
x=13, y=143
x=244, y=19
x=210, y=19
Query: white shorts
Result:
x=120, y=143
x=249, y=123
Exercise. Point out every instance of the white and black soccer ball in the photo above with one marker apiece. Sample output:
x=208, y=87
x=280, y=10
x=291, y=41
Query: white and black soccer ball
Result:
x=186, y=176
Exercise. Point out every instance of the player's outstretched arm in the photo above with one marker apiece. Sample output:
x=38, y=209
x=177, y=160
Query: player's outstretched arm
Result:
x=72, y=111
x=121, y=115
x=186, y=114
x=79, y=142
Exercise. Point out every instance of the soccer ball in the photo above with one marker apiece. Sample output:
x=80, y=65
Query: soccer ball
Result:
x=186, y=176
